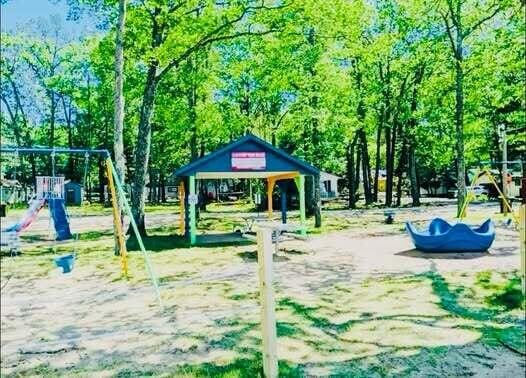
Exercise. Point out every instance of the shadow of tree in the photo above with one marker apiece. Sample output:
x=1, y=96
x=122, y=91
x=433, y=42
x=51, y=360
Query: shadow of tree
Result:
x=252, y=256
x=160, y=243
x=236, y=335
x=507, y=331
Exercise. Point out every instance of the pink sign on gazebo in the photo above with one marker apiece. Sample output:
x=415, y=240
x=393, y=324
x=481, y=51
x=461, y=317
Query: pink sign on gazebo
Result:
x=251, y=161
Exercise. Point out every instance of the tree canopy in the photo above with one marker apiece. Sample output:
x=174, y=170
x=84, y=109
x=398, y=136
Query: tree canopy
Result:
x=352, y=86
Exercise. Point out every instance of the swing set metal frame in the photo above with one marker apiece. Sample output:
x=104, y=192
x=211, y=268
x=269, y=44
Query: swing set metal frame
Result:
x=116, y=188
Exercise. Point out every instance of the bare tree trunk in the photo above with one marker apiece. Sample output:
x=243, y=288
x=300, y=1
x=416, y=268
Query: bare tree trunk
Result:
x=410, y=139
x=366, y=168
x=457, y=32
x=142, y=152
x=163, y=188
x=192, y=102
x=401, y=169
x=377, y=159
x=351, y=173
x=118, y=122
x=415, y=188
x=52, y=116
x=317, y=202
x=388, y=168
x=459, y=122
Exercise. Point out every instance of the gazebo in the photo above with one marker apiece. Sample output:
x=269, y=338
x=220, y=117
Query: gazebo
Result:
x=246, y=157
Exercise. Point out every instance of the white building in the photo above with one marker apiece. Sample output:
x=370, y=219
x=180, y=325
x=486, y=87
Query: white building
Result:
x=329, y=185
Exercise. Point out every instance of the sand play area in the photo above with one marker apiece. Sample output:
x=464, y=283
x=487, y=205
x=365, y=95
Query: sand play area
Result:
x=355, y=299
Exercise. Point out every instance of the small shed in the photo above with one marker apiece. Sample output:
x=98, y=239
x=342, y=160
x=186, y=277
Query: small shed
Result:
x=328, y=185
x=246, y=157
x=74, y=193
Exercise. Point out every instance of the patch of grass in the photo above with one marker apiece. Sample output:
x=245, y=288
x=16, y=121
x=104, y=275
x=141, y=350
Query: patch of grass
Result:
x=509, y=296
x=493, y=324
x=94, y=235
x=287, y=329
x=483, y=278
x=240, y=206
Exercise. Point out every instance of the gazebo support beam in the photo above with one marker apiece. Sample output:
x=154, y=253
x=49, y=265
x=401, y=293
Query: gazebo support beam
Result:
x=271, y=181
x=191, y=192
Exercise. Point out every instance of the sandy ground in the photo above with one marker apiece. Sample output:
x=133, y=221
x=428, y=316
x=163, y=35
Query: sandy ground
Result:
x=88, y=324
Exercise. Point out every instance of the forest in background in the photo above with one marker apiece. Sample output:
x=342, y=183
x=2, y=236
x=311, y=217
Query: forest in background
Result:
x=416, y=88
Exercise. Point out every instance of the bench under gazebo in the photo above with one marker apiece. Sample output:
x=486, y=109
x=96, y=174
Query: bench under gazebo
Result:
x=245, y=158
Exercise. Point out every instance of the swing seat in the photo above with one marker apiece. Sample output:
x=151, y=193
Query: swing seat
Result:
x=65, y=262
x=440, y=236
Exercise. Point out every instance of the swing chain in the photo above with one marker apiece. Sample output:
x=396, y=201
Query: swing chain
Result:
x=86, y=165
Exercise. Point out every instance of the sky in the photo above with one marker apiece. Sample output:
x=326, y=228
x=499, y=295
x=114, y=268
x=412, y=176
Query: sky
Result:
x=17, y=14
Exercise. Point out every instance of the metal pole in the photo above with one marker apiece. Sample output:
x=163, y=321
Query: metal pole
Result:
x=56, y=150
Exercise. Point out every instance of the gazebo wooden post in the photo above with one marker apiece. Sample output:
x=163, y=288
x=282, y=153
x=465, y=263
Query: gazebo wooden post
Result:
x=270, y=188
x=191, y=204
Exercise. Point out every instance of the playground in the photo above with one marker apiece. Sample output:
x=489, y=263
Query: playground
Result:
x=351, y=300
x=262, y=188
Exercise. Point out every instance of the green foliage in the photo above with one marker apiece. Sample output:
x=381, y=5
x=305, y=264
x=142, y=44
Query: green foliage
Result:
x=319, y=72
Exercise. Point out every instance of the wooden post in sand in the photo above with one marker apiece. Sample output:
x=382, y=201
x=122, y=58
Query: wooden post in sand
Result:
x=268, y=315
x=522, y=231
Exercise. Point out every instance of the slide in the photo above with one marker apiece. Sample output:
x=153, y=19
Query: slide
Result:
x=28, y=217
x=57, y=207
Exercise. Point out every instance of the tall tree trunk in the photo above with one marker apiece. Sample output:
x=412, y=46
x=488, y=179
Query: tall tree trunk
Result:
x=52, y=116
x=317, y=201
x=358, y=170
x=388, y=169
x=459, y=122
x=410, y=140
x=192, y=102
x=151, y=186
x=377, y=158
x=415, y=188
x=163, y=188
x=366, y=168
x=401, y=169
x=142, y=152
x=118, y=119
x=351, y=172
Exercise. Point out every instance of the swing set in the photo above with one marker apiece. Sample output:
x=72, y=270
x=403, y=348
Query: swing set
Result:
x=50, y=190
x=479, y=174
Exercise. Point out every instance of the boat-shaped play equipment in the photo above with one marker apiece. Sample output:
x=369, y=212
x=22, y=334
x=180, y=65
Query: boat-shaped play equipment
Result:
x=440, y=236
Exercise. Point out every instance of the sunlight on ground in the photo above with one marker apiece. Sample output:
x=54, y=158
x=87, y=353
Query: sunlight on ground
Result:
x=96, y=321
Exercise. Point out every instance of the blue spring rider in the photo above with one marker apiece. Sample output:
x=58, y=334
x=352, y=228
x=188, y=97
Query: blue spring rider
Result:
x=65, y=262
x=440, y=236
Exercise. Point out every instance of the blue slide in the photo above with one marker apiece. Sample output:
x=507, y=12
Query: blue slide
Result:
x=440, y=236
x=57, y=207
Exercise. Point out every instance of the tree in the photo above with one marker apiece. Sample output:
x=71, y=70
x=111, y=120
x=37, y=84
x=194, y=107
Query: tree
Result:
x=176, y=31
x=118, y=118
x=461, y=22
